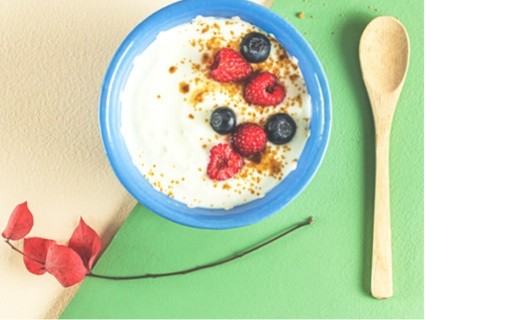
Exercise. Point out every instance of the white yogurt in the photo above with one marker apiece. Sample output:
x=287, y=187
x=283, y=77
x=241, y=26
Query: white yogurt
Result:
x=167, y=102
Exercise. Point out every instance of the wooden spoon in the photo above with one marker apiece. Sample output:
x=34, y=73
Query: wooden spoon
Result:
x=384, y=51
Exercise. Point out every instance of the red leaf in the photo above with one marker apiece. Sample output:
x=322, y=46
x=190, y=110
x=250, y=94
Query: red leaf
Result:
x=65, y=264
x=86, y=242
x=20, y=223
x=35, y=253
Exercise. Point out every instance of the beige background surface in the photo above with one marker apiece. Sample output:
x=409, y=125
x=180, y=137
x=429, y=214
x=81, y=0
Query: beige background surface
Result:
x=53, y=56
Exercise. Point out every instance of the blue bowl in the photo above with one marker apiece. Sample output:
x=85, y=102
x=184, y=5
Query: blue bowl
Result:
x=110, y=114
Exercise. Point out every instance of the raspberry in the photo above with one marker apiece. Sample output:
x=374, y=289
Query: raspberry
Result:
x=229, y=66
x=249, y=139
x=264, y=90
x=224, y=163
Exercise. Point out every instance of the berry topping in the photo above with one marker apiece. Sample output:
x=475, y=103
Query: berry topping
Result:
x=264, y=90
x=223, y=120
x=224, y=163
x=255, y=47
x=280, y=128
x=249, y=139
x=229, y=66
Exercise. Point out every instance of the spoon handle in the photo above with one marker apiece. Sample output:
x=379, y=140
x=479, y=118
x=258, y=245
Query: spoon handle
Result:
x=382, y=287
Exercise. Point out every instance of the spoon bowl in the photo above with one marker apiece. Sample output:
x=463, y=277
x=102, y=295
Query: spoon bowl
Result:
x=384, y=51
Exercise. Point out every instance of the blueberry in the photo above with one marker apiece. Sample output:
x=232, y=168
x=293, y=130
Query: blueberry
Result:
x=223, y=120
x=255, y=47
x=280, y=128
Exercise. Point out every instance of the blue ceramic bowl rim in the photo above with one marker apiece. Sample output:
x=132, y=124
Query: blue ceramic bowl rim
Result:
x=276, y=199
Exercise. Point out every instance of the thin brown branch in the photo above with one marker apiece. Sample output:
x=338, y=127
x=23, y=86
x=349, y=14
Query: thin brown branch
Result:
x=209, y=265
x=21, y=252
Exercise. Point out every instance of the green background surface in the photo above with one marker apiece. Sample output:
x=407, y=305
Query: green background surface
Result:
x=321, y=271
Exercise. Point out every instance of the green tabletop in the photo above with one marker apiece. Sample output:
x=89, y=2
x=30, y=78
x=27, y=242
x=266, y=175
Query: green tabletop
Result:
x=321, y=271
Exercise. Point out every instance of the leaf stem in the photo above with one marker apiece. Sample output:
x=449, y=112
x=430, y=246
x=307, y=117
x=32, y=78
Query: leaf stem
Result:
x=208, y=265
x=21, y=252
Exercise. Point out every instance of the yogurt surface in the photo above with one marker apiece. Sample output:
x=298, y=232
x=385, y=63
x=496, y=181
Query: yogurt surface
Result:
x=167, y=102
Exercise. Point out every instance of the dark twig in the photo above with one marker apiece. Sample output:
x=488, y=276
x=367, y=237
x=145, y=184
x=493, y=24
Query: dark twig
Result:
x=209, y=265
x=21, y=252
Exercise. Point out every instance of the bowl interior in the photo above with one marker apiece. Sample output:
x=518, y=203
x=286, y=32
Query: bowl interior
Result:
x=110, y=121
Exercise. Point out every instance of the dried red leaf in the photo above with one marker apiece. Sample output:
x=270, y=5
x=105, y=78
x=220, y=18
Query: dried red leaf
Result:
x=20, y=223
x=65, y=264
x=86, y=242
x=35, y=254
